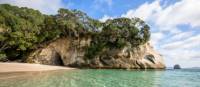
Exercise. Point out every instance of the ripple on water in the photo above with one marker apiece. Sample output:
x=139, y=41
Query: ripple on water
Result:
x=102, y=78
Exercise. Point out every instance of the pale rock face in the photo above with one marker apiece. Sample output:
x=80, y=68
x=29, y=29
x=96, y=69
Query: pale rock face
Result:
x=2, y=30
x=70, y=52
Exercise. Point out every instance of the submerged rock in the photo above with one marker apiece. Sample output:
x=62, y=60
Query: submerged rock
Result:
x=70, y=52
x=177, y=66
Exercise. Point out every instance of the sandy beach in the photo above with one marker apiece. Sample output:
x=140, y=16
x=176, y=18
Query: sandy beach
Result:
x=23, y=67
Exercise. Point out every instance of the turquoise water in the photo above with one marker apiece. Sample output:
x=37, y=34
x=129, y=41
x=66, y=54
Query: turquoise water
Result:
x=103, y=78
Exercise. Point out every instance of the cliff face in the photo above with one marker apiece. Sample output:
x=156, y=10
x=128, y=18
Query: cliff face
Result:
x=70, y=52
x=117, y=43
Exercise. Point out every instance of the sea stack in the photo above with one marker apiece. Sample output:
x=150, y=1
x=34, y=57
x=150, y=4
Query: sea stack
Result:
x=71, y=38
x=177, y=66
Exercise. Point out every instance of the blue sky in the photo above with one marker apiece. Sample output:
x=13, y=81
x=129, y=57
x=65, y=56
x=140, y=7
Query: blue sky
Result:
x=98, y=8
x=174, y=23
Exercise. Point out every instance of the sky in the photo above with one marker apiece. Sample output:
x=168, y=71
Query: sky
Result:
x=174, y=24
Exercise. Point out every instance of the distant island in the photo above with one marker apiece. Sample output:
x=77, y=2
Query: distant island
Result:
x=71, y=38
x=177, y=66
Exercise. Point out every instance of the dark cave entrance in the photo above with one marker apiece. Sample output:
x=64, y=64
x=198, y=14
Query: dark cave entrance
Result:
x=58, y=60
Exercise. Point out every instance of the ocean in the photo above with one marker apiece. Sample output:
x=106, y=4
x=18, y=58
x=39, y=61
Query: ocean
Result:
x=103, y=78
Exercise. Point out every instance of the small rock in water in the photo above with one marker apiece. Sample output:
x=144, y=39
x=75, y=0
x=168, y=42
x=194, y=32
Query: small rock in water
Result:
x=177, y=66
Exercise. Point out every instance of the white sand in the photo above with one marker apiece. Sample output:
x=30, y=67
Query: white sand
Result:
x=22, y=67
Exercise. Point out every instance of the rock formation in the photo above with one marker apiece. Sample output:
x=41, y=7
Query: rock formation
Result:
x=177, y=66
x=72, y=38
x=68, y=52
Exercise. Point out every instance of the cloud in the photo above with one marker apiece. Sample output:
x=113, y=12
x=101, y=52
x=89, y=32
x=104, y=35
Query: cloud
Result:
x=189, y=43
x=186, y=58
x=156, y=37
x=180, y=36
x=45, y=6
x=105, y=17
x=182, y=12
x=145, y=11
x=178, y=45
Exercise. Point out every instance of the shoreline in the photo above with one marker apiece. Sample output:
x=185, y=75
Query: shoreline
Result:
x=26, y=67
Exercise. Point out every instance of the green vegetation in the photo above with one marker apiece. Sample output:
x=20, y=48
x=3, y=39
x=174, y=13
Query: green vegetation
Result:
x=118, y=33
x=23, y=30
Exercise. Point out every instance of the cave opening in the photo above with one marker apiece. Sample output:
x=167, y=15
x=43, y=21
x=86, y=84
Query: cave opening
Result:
x=58, y=60
x=150, y=58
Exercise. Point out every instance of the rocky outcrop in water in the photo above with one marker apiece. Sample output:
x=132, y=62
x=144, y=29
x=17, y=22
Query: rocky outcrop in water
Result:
x=71, y=52
x=177, y=66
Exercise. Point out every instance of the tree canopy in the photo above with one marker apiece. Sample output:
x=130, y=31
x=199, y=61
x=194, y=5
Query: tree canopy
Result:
x=23, y=29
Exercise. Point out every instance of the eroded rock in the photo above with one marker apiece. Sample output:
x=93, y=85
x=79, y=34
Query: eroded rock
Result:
x=70, y=52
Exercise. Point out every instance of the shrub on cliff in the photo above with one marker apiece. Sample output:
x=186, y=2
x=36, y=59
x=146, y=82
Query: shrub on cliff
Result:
x=23, y=29
x=118, y=33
